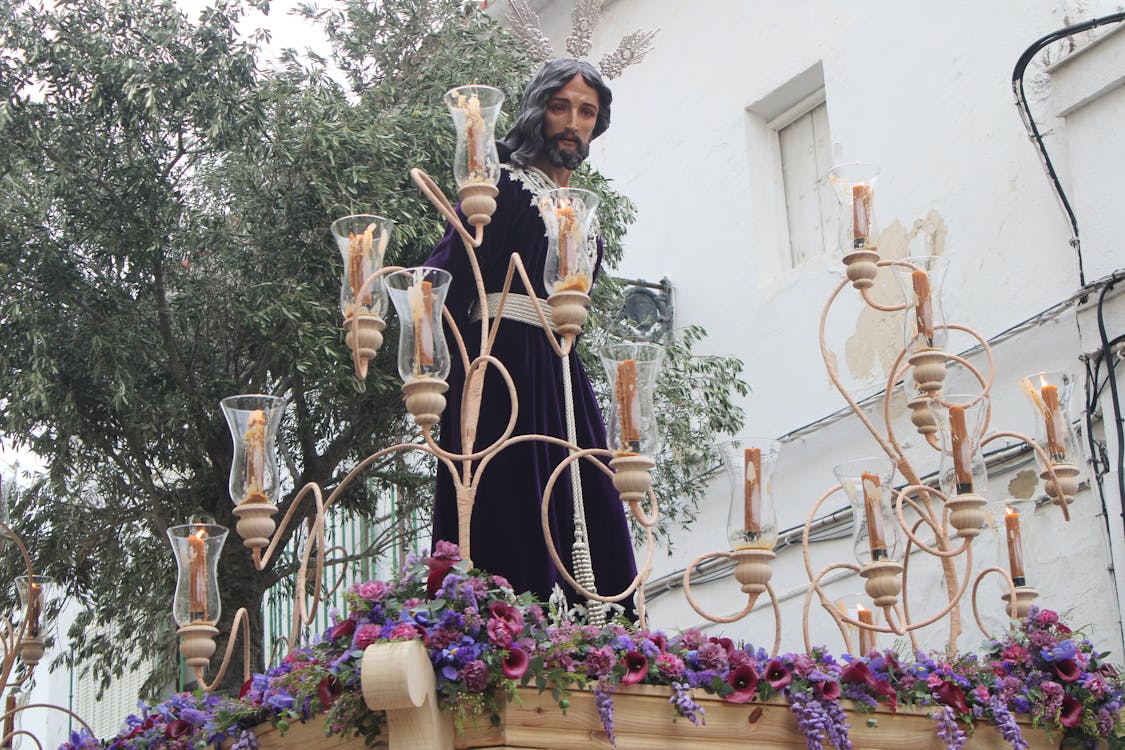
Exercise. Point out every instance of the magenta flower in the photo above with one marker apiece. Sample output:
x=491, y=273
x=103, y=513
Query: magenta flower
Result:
x=498, y=633
x=328, y=691
x=342, y=629
x=474, y=676
x=636, y=667
x=829, y=690
x=712, y=655
x=599, y=663
x=445, y=556
x=670, y=665
x=176, y=729
x=365, y=636
x=744, y=680
x=858, y=672
x=515, y=663
x=1071, y=714
x=777, y=675
x=1067, y=670
x=726, y=643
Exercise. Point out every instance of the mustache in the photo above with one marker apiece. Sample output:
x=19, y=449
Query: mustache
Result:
x=569, y=135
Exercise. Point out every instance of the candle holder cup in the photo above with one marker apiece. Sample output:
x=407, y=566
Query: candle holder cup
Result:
x=921, y=279
x=255, y=475
x=362, y=241
x=752, y=519
x=35, y=593
x=632, y=369
x=571, y=250
x=875, y=528
x=1021, y=607
x=1050, y=395
x=196, y=605
x=418, y=295
x=853, y=186
x=476, y=163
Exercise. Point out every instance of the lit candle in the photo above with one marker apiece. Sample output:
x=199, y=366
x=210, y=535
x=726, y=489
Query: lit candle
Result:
x=421, y=298
x=475, y=135
x=628, y=407
x=359, y=266
x=873, y=509
x=924, y=311
x=866, y=637
x=962, y=450
x=861, y=214
x=1052, y=414
x=34, y=607
x=254, y=442
x=752, y=512
x=570, y=242
x=1015, y=546
x=197, y=574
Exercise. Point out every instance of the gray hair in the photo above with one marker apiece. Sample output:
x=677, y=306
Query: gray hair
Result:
x=524, y=142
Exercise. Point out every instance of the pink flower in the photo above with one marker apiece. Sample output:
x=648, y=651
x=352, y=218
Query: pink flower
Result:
x=498, y=633
x=501, y=582
x=712, y=655
x=980, y=692
x=636, y=667
x=509, y=615
x=1071, y=713
x=777, y=675
x=726, y=643
x=372, y=591
x=515, y=663
x=404, y=631
x=744, y=680
x=829, y=690
x=669, y=665
x=599, y=663
x=365, y=636
x=1046, y=617
x=691, y=639
x=1067, y=670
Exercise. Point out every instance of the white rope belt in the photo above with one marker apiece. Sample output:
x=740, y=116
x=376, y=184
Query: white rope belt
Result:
x=517, y=307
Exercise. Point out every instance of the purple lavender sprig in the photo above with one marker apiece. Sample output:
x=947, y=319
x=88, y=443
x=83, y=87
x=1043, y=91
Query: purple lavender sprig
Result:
x=811, y=718
x=685, y=705
x=603, y=696
x=837, y=726
x=1006, y=724
x=948, y=731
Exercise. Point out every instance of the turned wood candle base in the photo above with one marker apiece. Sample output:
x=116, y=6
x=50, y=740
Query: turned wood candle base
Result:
x=255, y=523
x=884, y=582
x=425, y=399
x=197, y=644
x=364, y=338
x=752, y=569
x=1020, y=609
x=569, y=311
x=631, y=476
x=929, y=370
x=478, y=202
x=860, y=267
x=966, y=514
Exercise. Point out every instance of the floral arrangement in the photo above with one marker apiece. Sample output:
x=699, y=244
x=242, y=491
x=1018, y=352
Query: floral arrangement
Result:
x=484, y=641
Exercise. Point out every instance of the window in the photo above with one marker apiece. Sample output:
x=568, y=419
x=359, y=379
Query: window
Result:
x=806, y=156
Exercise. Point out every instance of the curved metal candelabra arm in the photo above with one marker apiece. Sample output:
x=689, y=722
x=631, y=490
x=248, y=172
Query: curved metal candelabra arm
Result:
x=1012, y=592
x=240, y=618
x=751, y=600
x=6, y=739
x=985, y=382
x=261, y=560
x=925, y=514
x=1050, y=475
x=435, y=195
x=642, y=575
x=814, y=588
x=476, y=366
x=516, y=266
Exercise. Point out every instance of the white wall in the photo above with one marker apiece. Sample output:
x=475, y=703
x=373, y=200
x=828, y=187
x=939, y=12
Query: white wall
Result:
x=926, y=94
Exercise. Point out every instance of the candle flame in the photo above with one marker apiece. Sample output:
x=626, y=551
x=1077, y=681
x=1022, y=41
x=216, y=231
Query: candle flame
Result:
x=200, y=534
x=860, y=608
x=1043, y=381
x=1010, y=511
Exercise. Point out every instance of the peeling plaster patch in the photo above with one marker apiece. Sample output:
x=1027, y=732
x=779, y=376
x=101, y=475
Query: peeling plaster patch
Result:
x=878, y=335
x=1023, y=485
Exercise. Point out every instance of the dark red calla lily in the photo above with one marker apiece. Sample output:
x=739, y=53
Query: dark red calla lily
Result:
x=1067, y=670
x=726, y=643
x=445, y=556
x=515, y=663
x=636, y=667
x=777, y=675
x=176, y=729
x=744, y=680
x=828, y=690
x=342, y=629
x=858, y=672
x=951, y=694
x=245, y=689
x=1071, y=714
x=329, y=690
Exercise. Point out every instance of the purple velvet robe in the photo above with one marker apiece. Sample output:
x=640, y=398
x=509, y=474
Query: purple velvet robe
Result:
x=507, y=537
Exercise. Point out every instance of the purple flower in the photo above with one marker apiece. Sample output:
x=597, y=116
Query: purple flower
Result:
x=445, y=556
x=636, y=667
x=744, y=681
x=474, y=676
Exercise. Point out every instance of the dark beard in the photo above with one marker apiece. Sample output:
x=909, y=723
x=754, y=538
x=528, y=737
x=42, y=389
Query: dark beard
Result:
x=564, y=158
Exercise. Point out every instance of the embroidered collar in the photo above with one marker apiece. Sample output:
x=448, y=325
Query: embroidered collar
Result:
x=533, y=179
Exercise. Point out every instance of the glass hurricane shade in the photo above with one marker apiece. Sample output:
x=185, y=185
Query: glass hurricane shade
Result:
x=853, y=185
x=567, y=213
x=254, y=472
x=197, y=547
x=961, y=420
x=35, y=593
x=1050, y=396
x=632, y=369
x=418, y=295
x=362, y=240
x=867, y=483
x=921, y=279
x=752, y=521
x=474, y=109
